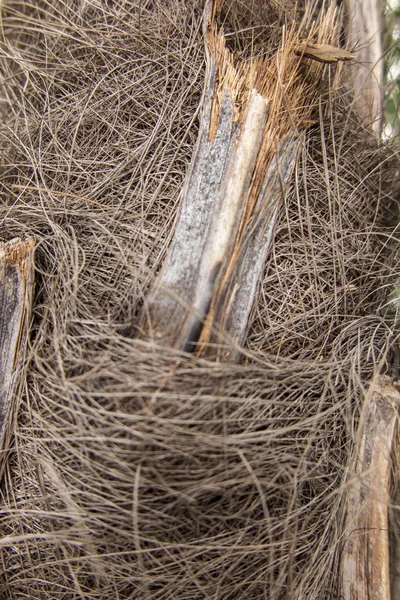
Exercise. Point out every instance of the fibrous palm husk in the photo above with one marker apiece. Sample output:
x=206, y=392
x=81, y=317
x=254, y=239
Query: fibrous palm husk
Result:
x=144, y=472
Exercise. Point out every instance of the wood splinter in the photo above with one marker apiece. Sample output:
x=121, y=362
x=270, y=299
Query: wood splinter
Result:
x=16, y=286
x=323, y=53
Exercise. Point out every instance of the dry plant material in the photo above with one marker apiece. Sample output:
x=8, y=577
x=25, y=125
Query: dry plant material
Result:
x=324, y=53
x=16, y=287
x=139, y=471
x=253, y=117
x=365, y=558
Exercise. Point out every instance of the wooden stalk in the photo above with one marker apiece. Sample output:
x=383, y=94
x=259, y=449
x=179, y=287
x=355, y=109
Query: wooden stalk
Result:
x=233, y=297
x=16, y=286
x=364, y=31
x=365, y=559
x=394, y=527
x=367, y=571
x=254, y=113
x=221, y=171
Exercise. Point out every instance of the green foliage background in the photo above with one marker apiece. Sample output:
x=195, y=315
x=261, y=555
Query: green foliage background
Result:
x=392, y=69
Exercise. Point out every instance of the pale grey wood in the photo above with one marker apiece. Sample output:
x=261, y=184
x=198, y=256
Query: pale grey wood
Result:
x=237, y=297
x=364, y=30
x=213, y=203
x=16, y=285
x=212, y=270
x=166, y=308
x=228, y=212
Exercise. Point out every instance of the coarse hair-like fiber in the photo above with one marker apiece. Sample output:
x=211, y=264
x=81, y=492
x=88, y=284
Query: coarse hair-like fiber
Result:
x=141, y=472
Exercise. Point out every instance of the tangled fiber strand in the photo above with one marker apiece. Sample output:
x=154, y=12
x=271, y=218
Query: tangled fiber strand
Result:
x=103, y=126
x=334, y=258
x=138, y=472
x=185, y=479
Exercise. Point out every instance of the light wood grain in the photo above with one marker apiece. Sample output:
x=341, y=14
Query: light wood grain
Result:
x=365, y=557
x=364, y=33
x=234, y=297
x=231, y=198
x=216, y=259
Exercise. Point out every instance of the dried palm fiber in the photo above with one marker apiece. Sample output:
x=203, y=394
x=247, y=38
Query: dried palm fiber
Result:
x=142, y=472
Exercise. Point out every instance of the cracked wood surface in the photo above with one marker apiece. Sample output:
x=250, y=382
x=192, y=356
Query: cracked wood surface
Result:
x=210, y=277
x=233, y=299
x=365, y=557
x=231, y=198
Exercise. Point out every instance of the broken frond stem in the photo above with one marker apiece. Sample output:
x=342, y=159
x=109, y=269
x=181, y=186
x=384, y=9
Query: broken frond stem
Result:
x=16, y=284
x=365, y=557
x=253, y=117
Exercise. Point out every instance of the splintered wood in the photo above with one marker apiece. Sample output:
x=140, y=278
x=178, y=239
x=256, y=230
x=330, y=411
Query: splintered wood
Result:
x=324, y=53
x=365, y=557
x=16, y=284
x=253, y=119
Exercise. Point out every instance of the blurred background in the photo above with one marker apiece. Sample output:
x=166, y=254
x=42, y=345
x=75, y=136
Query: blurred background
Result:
x=392, y=69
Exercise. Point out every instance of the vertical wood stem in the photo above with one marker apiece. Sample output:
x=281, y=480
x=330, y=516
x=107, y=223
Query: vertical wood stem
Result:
x=365, y=557
x=16, y=287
